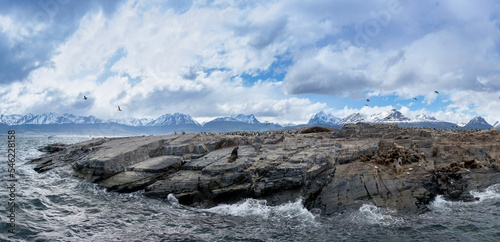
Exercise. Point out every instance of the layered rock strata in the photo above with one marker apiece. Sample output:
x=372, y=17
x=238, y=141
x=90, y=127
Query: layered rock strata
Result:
x=332, y=169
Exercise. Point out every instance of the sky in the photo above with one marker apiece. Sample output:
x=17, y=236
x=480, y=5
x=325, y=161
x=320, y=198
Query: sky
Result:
x=281, y=60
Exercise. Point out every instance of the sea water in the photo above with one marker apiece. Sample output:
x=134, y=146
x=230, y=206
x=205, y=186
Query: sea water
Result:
x=56, y=206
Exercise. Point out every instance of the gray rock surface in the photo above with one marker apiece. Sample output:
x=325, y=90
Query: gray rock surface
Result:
x=332, y=169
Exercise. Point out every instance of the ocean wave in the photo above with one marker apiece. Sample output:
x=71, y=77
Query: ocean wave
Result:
x=371, y=214
x=492, y=192
x=440, y=204
x=291, y=211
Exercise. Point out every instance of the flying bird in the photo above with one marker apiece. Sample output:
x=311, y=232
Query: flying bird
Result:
x=84, y=97
x=119, y=109
x=367, y=100
x=367, y=105
x=436, y=92
x=415, y=98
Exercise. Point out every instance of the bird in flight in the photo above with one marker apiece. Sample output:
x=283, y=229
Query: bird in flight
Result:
x=436, y=92
x=367, y=100
x=367, y=105
x=119, y=109
x=415, y=98
x=84, y=97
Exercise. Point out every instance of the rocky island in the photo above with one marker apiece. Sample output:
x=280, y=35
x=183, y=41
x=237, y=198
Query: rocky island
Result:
x=331, y=169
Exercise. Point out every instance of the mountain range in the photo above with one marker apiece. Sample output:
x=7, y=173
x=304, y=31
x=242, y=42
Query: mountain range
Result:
x=168, y=123
x=396, y=117
x=177, y=122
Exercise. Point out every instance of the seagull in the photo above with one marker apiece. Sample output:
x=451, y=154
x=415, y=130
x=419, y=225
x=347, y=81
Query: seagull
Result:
x=436, y=92
x=84, y=97
x=119, y=109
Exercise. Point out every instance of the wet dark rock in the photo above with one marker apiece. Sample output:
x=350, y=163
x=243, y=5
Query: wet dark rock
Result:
x=52, y=148
x=316, y=130
x=332, y=169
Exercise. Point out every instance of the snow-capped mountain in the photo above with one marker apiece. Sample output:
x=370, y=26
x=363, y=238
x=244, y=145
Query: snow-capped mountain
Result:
x=83, y=120
x=249, y=119
x=386, y=117
x=173, y=119
x=48, y=118
x=395, y=117
x=26, y=118
x=425, y=118
x=478, y=123
x=66, y=118
x=183, y=122
x=353, y=118
x=10, y=119
x=45, y=118
x=324, y=119
x=132, y=121
x=391, y=117
x=237, y=123
x=168, y=123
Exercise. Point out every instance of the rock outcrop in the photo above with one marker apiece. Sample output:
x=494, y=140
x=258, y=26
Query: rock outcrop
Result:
x=332, y=169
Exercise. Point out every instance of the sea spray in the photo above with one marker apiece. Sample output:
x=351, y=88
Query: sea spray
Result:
x=291, y=211
x=492, y=192
x=172, y=200
x=371, y=214
x=439, y=204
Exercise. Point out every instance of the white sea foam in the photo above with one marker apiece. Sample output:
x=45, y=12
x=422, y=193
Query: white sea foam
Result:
x=492, y=192
x=371, y=214
x=173, y=200
x=259, y=208
x=440, y=204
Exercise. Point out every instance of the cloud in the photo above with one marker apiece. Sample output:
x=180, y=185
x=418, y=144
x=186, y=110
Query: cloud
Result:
x=449, y=59
x=32, y=30
x=269, y=58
